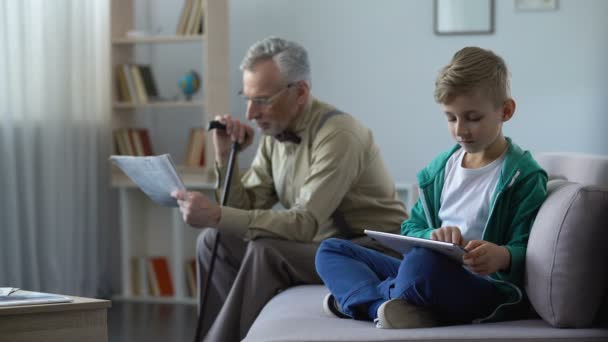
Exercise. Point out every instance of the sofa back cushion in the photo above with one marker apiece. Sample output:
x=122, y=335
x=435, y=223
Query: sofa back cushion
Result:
x=575, y=167
x=567, y=257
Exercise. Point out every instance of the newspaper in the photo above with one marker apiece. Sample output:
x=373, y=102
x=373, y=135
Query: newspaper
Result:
x=155, y=176
x=5, y=291
x=12, y=296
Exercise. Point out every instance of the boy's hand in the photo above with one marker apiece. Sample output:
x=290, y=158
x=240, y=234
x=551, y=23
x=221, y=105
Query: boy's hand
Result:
x=448, y=234
x=485, y=258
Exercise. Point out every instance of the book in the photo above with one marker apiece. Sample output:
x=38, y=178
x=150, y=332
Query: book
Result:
x=183, y=19
x=135, y=277
x=195, y=155
x=137, y=142
x=198, y=23
x=122, y=86
x=201, y=28
x=140, y=88
x=154, y=289
x=191, y=277
x=149, y=82
x=124, y=142
x=145, y=140
x=140, y=283
x=132, y=141
x=189, y=148
x=126, y=69
x=15, y=297
x=159, y=268
x=128, y=140
x=193, y=20
x=118, y=143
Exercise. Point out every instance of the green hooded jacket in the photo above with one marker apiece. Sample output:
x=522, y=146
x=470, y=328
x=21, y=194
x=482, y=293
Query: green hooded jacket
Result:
x=521, y=189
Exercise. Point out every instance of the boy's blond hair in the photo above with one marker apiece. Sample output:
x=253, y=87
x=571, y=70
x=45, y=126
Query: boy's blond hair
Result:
x=474, y=69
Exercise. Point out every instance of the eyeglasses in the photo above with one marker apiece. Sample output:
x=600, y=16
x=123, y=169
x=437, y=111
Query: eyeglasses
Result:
x=267, y=100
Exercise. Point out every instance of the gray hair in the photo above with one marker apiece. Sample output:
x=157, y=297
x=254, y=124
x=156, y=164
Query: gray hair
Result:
x=290, y=57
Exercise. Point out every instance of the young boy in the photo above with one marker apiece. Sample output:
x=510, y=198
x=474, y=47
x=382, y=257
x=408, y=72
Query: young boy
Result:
x=482, y=194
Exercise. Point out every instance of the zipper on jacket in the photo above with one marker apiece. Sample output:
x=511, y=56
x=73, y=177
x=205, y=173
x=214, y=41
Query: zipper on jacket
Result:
x=485, y=227
x=517, y=173
x=425, y=208
x=519, y=293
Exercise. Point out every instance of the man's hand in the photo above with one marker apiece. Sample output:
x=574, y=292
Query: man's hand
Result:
x=448, y=234
x=485, y=258
x=197, y=210
x=236, y=131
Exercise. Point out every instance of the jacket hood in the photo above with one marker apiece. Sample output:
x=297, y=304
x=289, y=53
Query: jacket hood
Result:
x=518, y=164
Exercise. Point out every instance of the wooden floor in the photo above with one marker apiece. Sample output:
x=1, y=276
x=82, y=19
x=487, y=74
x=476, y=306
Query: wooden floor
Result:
x=135, y=322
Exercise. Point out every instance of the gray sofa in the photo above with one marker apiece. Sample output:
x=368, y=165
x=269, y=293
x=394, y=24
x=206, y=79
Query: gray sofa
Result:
x=566, y=275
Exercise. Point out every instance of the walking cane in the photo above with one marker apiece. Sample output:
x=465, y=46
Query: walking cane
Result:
x=233, y=149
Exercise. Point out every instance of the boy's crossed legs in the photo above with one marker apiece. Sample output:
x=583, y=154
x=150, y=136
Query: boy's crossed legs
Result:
x=361, y=280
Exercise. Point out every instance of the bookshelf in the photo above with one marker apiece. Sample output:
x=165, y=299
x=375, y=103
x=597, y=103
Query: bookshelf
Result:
x=158, y=104
x=157, y=39
x=146, y=229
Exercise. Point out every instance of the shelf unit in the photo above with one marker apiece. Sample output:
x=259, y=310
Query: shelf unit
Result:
x=158, y=104
x=156, y=39
x=146, y=228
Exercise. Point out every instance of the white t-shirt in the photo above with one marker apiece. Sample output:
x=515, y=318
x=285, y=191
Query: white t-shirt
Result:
x=466, y=195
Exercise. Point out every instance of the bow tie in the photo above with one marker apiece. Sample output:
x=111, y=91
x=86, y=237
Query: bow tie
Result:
x=288, y=136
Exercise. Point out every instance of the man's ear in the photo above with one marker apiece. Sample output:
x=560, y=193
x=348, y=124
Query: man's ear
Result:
x=508, y=109
x=303, y=90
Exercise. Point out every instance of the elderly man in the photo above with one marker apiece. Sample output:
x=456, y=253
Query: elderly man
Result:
x=319, y=163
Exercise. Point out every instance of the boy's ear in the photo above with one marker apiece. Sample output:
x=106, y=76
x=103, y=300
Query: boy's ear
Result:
x=508, y=109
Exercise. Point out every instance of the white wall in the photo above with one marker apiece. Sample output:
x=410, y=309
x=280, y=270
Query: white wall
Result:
x=378, y=60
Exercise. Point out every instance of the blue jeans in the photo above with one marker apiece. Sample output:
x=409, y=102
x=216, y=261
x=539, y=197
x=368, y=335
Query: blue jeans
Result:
x=361, y=279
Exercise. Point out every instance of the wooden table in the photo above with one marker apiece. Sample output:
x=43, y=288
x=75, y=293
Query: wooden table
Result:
x=84, y=319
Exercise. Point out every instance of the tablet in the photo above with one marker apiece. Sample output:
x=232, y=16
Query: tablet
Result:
x=403, y=244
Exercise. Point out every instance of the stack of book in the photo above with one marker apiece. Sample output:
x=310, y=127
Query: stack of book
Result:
x=191, y=20
x=133, y=142
x=135, y=83
x=151, y=276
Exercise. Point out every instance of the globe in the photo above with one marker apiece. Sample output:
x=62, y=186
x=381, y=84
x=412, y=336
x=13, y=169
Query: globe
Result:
x=189, y=84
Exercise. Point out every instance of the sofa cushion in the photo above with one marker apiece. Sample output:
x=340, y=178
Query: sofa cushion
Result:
x=575, y=167
x=296, y=314
x=567, y=255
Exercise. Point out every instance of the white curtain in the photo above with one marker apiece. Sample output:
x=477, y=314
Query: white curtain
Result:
x=54, y=143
